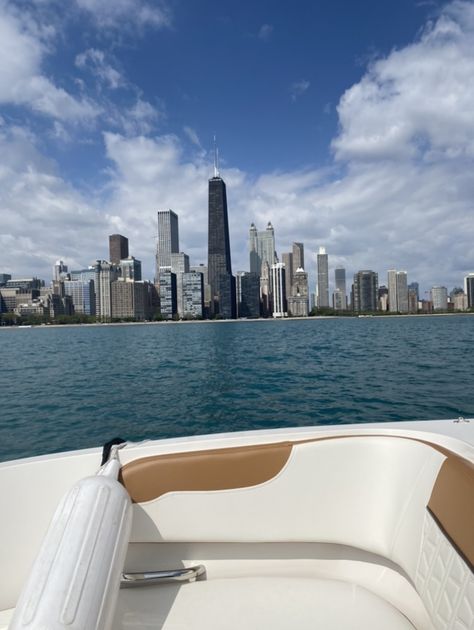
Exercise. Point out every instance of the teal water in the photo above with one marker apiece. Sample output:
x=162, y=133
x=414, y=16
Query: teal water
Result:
x=76, y=387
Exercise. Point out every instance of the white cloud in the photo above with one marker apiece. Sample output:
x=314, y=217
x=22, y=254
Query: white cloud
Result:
x=265, y=32
x=21, y=79
x=418, y=101
x=124, y=13
x=43, y=217
x=398, y=195
x=298, y=88
x=95, y=61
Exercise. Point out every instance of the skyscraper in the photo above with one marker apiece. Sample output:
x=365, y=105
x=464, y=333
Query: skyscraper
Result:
x=278, y=290
x=59, y=270
x=365, y=291
x=322, y=290
x=298, y=304
x=339, y=297
x=249, y=305
x=168, y=239
x=298, y=256
x=287, y=260
x=131, y=268
x=266, y=245
x=179, y=266
x=397, y=291
x=469, y=289
x=255, y=262
x=192, y=294
x=118, y=248
x=439, y=298
x=219, y=264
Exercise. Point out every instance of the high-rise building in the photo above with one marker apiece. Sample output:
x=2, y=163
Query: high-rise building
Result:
x=414, y=286
x=192, y=294
x=278, y=290
x=266, y=245
x=4, y=278
x=469, y=289
x=439, y=298
x=59, y=270
x=167, y=240
x=339, y=296
x=382, y=294
x=397, y=291
x=105, y=274
x=129, y=299
x=460, y=302
x=179, y=265
x=402, y=292
x=322, y=289
x=131, y=268
x=202, y=269
x=219, y=265
x=255, y=262
x=249, y=303
x=118, y=248
x=412, y=301
x=365, y=291
x=298, y=303
x=287, y=260
x=298, y=256
x=167, y=291
x=82, y=295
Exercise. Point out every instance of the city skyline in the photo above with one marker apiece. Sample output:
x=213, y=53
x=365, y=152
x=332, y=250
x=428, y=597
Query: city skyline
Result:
x=365, y=154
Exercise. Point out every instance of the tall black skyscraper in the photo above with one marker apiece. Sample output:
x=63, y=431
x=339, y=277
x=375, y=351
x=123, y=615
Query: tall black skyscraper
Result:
x=221, y=280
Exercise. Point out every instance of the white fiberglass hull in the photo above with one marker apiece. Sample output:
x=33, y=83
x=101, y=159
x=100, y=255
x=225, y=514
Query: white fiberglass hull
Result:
x=333, y=527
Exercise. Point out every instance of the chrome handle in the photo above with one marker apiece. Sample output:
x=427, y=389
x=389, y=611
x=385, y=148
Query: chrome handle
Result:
x=162, y=577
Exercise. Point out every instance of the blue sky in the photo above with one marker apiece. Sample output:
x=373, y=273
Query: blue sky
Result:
x=347, y=124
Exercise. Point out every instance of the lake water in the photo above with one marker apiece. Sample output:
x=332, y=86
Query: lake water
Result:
x=76, y=387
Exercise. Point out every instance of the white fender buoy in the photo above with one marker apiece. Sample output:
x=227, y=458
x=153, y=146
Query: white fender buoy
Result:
x=75, y=579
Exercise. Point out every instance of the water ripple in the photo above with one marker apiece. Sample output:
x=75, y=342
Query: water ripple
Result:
x=66, y=388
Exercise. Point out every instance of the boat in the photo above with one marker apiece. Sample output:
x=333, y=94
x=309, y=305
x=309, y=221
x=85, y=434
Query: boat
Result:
x=332, y=527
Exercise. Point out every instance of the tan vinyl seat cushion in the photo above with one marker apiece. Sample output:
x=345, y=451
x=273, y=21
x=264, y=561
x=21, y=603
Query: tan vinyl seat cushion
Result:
x=256, y=603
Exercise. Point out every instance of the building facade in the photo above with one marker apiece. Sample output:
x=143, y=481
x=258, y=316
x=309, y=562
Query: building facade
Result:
x=365, y=291
x=82, y=295
x=439, y=298
x=397, y=291
x=167, y=292
x=298, y=303
x=131, y=269
x=278, y=290
x=129, y=299
x=219, y=265
x=469, y=289
x=287, y=260
x=179, y=266
x=192, y=294
x=118, y=248
x=249, y=295
x=322, y=289
x=167, y=239
x=340, y=295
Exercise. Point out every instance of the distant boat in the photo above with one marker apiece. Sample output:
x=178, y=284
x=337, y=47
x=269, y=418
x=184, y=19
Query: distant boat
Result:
x=25, y=326
x=333, y=527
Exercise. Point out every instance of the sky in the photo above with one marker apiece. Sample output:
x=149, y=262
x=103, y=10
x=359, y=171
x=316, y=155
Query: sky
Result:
x=348, y=125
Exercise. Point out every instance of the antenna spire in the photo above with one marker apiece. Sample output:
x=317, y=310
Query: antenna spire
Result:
x=216, y=159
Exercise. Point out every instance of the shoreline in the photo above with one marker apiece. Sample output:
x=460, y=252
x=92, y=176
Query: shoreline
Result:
x=232, y=321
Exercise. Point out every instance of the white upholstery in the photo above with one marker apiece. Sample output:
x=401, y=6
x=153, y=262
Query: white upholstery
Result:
x=444, y=581
x=368, y=493
x=257, y=603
